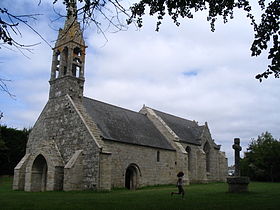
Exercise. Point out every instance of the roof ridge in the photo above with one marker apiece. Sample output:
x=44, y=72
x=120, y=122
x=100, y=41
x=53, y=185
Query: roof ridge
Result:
x=126, y=109
x=192, y=121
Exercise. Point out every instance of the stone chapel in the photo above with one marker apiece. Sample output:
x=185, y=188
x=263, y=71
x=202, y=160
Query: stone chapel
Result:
x=79, y=143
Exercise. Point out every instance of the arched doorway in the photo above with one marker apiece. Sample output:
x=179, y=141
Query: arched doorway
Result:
x=131, y=177
x=39, y=174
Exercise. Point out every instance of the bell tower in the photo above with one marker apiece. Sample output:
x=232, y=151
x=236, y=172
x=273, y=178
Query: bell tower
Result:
x=67, y=71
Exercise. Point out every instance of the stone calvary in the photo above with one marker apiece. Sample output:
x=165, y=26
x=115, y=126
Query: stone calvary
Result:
x=79, y=143
x=237, y=183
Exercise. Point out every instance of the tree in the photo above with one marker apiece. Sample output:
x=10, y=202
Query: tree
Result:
x=12, y=148
x=262, y=159
x=268, y=30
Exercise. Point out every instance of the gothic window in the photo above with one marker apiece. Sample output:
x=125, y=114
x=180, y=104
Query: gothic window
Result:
x=158, y=156
x=188, y=150
x=206, y=149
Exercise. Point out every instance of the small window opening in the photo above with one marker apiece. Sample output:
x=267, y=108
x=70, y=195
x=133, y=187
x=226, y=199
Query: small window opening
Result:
x=158, y=156
x=188, y=150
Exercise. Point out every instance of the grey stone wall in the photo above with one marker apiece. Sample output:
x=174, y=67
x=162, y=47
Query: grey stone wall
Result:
x=152, y=172
x=73, y=177
x=70, y=85
x=218, y=161
x=197, y=172
x=106, y=165
x=60, y=128
x=19, y=173
x=223, y=163
x=172, y=138
x=196, y=166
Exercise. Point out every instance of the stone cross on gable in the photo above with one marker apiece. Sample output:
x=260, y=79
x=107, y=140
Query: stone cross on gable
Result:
x=237, y=148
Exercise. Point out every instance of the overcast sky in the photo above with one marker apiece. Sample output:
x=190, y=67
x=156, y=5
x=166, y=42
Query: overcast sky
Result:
x=187, y=71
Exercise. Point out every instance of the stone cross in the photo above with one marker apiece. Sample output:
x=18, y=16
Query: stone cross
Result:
x=237, y=148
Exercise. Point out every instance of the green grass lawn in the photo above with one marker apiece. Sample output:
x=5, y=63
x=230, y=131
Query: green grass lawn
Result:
x=198, y=196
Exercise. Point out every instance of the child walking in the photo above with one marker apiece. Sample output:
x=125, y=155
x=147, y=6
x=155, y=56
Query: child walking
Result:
x=180, y=185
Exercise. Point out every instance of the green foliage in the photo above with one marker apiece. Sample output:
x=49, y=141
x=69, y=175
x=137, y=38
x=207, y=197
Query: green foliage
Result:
x=198, y=197
x=262, y=160
x=269, y=30
x=12, y=148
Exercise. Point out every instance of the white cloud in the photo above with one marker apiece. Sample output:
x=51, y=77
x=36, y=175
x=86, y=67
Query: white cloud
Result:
x=145, y=67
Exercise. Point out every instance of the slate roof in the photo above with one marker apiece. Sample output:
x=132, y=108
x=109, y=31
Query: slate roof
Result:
x=122, y=125
x=188, y=131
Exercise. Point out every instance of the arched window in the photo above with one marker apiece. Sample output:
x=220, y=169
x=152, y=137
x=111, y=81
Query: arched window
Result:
x=206, y=149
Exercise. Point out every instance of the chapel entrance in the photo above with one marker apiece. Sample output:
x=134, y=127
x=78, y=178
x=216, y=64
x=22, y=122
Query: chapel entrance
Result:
x=39, y=174
x=131, y=177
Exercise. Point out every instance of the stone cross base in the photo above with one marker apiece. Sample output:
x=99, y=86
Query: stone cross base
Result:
x=238, y=184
